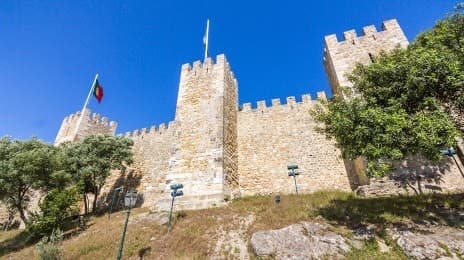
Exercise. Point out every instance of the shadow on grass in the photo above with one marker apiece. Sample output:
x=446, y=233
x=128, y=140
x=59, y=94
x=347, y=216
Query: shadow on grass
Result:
x=73, y=226
x=18, y=242
x=354, y=212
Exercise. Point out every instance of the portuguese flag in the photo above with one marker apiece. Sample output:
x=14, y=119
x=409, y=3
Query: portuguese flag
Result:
x=98, y=91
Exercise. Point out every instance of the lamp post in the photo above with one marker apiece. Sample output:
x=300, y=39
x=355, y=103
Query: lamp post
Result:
x=293, y=173
x=451, y=152
x=129, y=201
x=116, y=191
x=176, y=192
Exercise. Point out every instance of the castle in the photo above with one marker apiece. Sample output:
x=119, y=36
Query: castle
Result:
x=220, y=150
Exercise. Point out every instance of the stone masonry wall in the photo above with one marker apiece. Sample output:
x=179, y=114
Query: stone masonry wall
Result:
x=230, y=156
x=270, y=138
x=152, y=149
x=340, y=58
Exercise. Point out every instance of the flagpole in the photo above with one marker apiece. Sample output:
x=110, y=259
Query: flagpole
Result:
x=206, y=42
x=84, y=107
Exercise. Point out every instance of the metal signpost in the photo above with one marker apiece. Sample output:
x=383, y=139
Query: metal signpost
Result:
x=115, y=193
x=176, y=192
x=293, y=173
x=451, y=152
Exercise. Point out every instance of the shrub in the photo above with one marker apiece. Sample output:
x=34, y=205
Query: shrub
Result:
x=49, y=247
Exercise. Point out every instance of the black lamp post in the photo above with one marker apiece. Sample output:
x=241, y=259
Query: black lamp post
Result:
x=129, y=201
x=293, y=173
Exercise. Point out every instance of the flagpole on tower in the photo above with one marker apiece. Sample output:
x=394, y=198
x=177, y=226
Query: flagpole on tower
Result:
x=205, y=39
x=84, y=107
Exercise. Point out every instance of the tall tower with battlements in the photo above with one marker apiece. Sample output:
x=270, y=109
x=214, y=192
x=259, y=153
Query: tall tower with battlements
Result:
x=205, y=152
x=341, y=57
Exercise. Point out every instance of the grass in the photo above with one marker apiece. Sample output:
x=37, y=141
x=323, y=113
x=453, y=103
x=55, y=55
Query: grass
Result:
x=195, y=233
x=370, y=250
x=390, y=211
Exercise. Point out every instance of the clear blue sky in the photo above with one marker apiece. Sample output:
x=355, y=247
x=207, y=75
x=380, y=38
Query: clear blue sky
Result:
x=51, y=50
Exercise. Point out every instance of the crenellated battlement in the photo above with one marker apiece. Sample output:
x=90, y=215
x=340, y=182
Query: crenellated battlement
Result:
x=91, y=118
x=277, y=104
x=369, y=33
x=143, y=132
x=92, y=123
x=199, y=68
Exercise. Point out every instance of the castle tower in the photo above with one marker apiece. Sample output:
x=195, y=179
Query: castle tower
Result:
x=205, y=153
x=340, y=58
x=90, y=125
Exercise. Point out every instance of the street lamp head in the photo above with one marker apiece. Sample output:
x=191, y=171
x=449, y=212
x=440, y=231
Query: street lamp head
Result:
x=292, y=167
x=176, y=186
x=131, y=198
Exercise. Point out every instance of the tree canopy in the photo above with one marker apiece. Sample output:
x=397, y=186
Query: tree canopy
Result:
x=91, y=161
x=58, y=174
x=26, y=166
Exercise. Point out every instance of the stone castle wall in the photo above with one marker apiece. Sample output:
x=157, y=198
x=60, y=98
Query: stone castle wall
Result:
x=270, y=138
x=341, y=57
x=152, y=150
x=219, y=151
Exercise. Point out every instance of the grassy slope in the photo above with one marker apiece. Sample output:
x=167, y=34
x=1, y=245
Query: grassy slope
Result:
x=195, y=232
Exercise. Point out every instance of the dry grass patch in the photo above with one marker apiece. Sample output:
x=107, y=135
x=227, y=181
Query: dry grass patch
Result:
x=196, y=233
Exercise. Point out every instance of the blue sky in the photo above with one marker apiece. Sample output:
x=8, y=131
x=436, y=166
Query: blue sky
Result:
x=51, y=50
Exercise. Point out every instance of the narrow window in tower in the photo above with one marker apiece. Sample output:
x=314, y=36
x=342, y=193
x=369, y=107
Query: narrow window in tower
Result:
x=371, y=57
x=352, y=41
x=373, y=37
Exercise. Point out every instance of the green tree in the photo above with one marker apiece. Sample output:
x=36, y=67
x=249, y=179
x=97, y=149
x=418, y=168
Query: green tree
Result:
x=92, y=160
x=57, y=205
x=26, y=166
x=403, y=101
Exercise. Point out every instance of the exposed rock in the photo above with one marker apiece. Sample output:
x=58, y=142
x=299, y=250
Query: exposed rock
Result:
x=232, y=244
x=305, y=240
x=430, y=243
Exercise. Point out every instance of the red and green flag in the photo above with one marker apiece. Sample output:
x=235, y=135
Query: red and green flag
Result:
x=98, y=91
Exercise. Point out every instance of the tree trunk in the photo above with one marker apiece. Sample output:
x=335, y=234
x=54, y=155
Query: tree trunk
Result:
x=419, y=184
x=412, y=188
x=22, y=215
x=95, y=197
x=86, y=205
x=19, y=206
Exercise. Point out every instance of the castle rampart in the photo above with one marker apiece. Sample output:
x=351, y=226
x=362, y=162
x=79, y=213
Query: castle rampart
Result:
x=270, y=138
